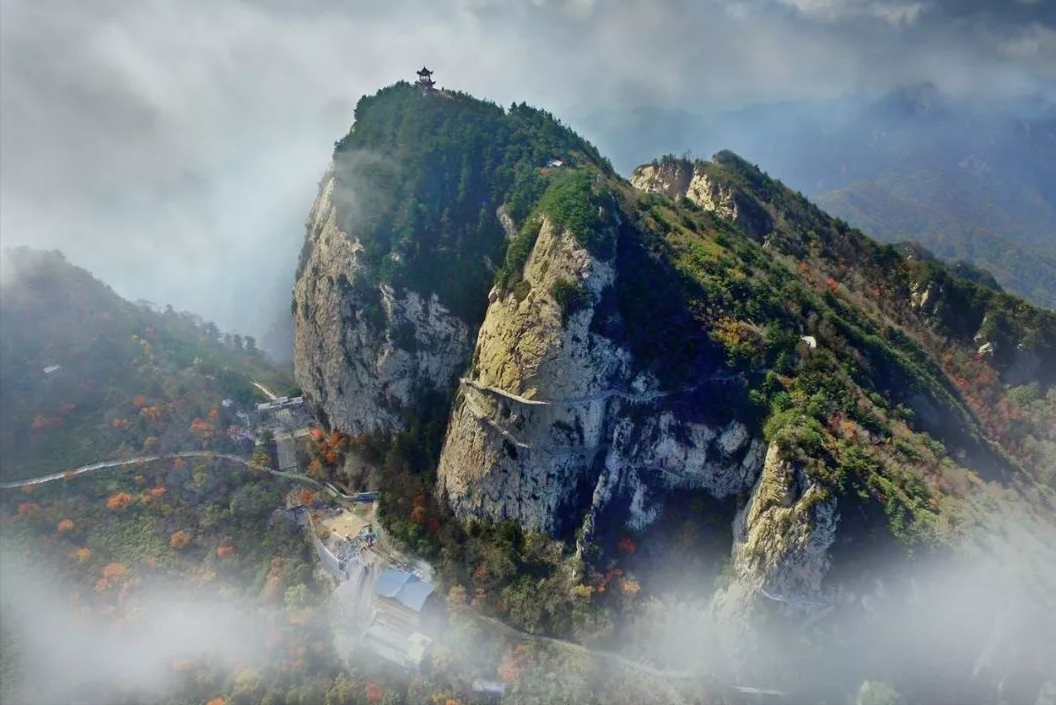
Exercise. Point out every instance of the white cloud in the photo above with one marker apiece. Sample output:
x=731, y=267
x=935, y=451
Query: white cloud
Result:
x=1033, y=42
x=894, y=12
x=173, y=148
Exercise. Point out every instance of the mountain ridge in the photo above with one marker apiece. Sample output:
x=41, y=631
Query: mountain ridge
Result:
x=704, y=332
x=968, y=172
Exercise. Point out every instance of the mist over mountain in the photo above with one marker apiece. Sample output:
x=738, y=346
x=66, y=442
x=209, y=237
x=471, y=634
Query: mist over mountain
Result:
x=689, y=352
x=170, y=147
x=682, y=438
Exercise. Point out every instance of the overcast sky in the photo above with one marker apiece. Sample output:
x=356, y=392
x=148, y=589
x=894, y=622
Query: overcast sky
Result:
x=174, y=147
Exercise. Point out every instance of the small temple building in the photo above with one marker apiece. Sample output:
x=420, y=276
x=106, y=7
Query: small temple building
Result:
x=425, y=80
x=407, y=617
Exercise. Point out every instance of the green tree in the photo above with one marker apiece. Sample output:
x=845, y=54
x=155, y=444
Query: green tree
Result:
x=877, y=693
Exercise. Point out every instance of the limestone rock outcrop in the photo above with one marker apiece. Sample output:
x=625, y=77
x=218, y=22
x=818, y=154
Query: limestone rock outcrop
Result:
x=362, y=350
x=553, y=426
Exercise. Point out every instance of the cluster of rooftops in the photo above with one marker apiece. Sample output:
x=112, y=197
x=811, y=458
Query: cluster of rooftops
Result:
x=403, y=587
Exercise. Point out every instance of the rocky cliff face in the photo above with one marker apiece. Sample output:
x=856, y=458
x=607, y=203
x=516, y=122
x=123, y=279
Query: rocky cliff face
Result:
x=782, y=538
x=362, y=350
x=553, y=426
x=678, y=178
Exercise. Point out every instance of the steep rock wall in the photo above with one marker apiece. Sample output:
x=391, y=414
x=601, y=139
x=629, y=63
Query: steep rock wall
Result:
x=679, y=178
x=363, y=351
x=782, y=538
x=553, y=426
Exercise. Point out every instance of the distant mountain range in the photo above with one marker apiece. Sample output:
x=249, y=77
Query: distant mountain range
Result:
x=969, y=182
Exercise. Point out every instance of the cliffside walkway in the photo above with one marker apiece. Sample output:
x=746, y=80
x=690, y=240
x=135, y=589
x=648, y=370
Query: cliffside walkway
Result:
x=633, y=397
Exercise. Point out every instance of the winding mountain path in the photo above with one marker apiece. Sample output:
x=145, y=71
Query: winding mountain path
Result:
x=144, y=459
x=630, y=664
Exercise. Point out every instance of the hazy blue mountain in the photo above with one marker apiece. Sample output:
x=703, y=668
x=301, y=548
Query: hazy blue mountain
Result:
x=970, y=182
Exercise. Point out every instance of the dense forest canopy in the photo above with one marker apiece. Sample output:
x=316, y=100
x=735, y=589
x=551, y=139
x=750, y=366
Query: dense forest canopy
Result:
x=88, y=376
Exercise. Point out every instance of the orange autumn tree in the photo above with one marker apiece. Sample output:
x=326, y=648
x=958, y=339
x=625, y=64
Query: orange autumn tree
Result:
x=65, y=526
x=419, y=515
x=153, y=493
x=119, y=501
x=151, y=413
x=113, y=573
x=114, y=570
x=179, y=539
x=374, y=692
x=202, y=428
x=419, y=512
x=315, y=469
x=630, y=587
x=306, y=496
x=81, y=554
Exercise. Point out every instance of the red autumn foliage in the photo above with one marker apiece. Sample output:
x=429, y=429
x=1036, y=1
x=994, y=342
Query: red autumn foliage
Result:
x=202, y=428
x=627, y=545
x=514, y=664
x=306, y=496
x=374, y=692
x=225, y=550
x=28, y=509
